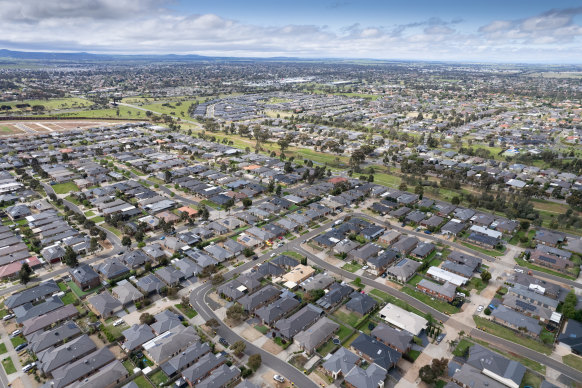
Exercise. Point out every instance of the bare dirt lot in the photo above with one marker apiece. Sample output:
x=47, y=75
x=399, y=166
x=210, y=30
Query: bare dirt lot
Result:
x=271, y=347
x=32, y=127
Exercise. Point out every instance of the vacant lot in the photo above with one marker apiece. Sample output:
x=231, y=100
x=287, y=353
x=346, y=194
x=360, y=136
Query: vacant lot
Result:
x=64, y=188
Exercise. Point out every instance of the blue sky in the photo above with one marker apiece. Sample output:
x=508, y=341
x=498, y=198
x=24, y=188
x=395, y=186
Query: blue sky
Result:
x=492, y=31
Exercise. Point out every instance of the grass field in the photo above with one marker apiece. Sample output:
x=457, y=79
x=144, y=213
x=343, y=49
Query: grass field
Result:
x=573, y=360
x=8, y=366
x=50, y=105
x=7, y=130
x=64, y=188
x=112, y=229
x=3, y=348
x=124, y=113
x=510, y=335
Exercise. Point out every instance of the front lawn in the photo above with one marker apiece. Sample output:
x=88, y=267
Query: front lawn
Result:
x=477, y=284
x=17, y=341
x=510, y=335
x=80, y=293
x=351, y=267
x=462, y=348
x=531, y=380
x=3, y=348
x=413, y=355
x=490, y=252
x=73, y=200
x=395, y=301
x=529, y=265
x=573, y=360
x=294, y=255
x=262, y=329
x=97, y=219
x=326, y=348
x=440, y=305
x=8, y=366
x=188, y=311
x=64, y=188
x=279, y=341
x=89, y=213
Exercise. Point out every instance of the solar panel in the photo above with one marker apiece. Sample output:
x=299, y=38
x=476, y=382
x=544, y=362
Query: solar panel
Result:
x=524, y=305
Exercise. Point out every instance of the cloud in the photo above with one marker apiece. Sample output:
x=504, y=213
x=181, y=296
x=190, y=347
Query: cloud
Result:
x=150, y=26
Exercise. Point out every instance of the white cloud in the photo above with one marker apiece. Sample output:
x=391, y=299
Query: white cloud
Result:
x=148, y=26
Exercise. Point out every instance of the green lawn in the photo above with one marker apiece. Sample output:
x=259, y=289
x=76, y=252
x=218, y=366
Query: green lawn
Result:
x=573, y=360
x=350, y=319
x=188, y=311
x=89, y=213
x=72, y=199
x=531, y=379
x=80, y=293
x=415, y=280
x=462, y=347
x=477, y=284
x=440, y=305
x=351, y=267
x=63, y=286
x=17, y=340
x=51, y=104
x=110, y=228
x=128, y=365
x=3, y=348
x=294, y=255
x=326, y=348
x=124, y=113
x=64, y=188
x=69, y=298
x=381, y=295
x=142, y=382
x=489, y=252
x=159, y=378
x=343, y=332
x=510, y=335
x=98, y=219
x=262, y=329
x=8, y=366
x=116, y=330
x=413, y=354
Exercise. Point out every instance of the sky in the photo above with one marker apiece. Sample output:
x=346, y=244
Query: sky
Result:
x=440, y=30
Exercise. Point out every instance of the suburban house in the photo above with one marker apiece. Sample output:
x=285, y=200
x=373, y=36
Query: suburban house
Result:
x=404, y=270
x=399, y=340
x=508, y=372
x=313, y=337
x=444, y=291
x=85, y=277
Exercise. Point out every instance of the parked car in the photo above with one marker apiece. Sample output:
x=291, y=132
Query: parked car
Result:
x=28, y=367
x=427, y=232
x=440, y=338
x=21, y=346
x=118, y=322
x=365, y=267
x=8, y=317
x=384, y=275
x=223, y=342
x=15, y=333
x=255, y=257
x=279, y=378
x=480, y=308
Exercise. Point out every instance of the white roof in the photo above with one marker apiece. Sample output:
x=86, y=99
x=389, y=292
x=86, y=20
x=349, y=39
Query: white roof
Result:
x=486, y=231
x=446, y=276
x=403, y=319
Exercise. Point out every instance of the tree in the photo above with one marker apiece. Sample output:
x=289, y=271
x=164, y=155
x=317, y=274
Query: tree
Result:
x=313, y=295
x=569, y=307
x=212, y=322
x=126, y=241
x=427, y=375
x=455, y=200
x=94, y=245
x=238, y=348
x=357, y=158
x=147, y=319
x=247, y=202
x=403, y=186
x=248, y=252
x=235, y=312
x=24, y=273
x=524, y=225
x=254, y=361
x=228, y=204
x=70, y=257
x=217, y=279
x=278, y=190
x=486, y=276
x=102, y=235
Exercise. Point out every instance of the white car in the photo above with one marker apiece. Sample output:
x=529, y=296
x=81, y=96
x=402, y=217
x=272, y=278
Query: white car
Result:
x=518, y=270
x=28, y=367
x=365, y=267
x=480, y=308
x=118, y=322
x=278, y=378
x=15, y=333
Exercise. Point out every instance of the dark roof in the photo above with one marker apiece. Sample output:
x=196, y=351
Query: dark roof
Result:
x=383, y=355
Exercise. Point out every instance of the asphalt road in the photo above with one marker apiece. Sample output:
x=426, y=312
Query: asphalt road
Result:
x=198, y=300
